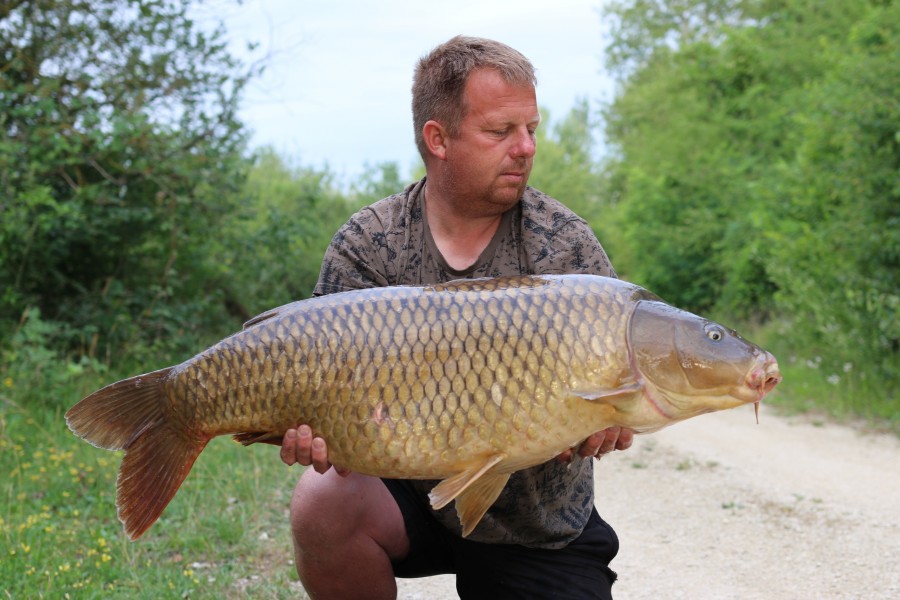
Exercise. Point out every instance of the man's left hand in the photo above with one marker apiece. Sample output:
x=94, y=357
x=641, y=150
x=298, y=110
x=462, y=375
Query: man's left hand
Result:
x=600, y=443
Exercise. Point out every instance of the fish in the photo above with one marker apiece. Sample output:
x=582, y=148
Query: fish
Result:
x=465, y=382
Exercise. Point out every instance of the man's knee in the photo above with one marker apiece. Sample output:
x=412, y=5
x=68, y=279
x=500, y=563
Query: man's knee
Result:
x=317, y=506
x=329, y=509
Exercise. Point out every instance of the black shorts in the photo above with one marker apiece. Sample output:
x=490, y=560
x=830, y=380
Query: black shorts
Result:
x=580, y=571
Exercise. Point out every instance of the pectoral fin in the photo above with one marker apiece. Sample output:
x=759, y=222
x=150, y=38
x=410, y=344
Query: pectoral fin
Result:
x=474, y=490
x=607, y=395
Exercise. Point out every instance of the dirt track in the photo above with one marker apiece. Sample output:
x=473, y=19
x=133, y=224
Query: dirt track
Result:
x=720, y=508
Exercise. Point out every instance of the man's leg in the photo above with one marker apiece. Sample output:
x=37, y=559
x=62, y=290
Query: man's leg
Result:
x=580, y=571
x=346, y=532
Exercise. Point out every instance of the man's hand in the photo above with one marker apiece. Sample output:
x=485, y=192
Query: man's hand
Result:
x=300, y=446
x=600, y=443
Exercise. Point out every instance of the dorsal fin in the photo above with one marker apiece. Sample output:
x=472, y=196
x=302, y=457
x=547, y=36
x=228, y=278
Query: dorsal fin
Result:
x=272, y=312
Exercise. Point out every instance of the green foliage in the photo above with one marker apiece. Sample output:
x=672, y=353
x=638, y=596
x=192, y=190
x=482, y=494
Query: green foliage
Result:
x=377, y=182
x=32, y=362
x=564, y=166
x=755, y=169
x=271, y=246
x=838, y=240
x=120, y=152
x=643, y=29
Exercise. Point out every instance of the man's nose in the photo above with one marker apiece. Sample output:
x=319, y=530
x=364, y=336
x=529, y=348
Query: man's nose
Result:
x=524, y=144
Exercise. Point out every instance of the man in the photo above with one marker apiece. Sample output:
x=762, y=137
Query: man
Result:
x=475, y=115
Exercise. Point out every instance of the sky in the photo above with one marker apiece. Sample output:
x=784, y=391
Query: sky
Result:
x=336, y=89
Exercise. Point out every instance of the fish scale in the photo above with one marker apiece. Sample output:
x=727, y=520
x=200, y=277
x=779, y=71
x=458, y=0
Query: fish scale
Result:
x=463, y=382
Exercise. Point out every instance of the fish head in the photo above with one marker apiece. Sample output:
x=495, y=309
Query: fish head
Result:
x=690, y=365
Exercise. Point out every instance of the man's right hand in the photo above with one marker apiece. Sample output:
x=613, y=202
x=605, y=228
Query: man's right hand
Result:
x=300, y=446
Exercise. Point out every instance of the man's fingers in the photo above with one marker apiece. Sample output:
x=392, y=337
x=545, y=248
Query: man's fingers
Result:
x=608, y=442
x=303, y=448
x=288, y=447
x=566, y=457
x=604, y=442
x=592, y=445
x=626, y=437
x=319, y=455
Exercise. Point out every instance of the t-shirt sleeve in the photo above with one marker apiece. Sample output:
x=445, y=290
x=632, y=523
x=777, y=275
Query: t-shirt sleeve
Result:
x=353, y=260
x=558, y=241
x=583, y=252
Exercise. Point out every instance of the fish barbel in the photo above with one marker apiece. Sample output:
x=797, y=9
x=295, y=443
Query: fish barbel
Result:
x=464, y=382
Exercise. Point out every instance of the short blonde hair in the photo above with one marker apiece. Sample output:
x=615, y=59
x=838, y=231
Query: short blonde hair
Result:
x=440, y=80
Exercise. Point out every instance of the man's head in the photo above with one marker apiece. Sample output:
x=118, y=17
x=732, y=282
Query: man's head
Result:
x=440, y=80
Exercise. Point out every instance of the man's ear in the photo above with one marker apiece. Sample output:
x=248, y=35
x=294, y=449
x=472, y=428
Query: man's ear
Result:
x=435, y=137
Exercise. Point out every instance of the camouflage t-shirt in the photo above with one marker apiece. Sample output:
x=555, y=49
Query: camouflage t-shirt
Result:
x=389, y=243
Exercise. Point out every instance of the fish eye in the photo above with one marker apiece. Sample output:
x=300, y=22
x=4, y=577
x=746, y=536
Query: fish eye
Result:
x=716, y=334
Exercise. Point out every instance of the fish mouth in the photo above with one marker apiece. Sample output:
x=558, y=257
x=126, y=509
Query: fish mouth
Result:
x=760, y=380
x=763, y=378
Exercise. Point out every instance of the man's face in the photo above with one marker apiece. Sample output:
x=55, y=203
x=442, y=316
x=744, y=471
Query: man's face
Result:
x=490, y=159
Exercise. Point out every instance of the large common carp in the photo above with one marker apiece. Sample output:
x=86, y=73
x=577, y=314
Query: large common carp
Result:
x=465, y=382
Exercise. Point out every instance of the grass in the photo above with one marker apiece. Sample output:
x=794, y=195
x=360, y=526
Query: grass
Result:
x=835, y=395
x=829, y=385
x=225, y=535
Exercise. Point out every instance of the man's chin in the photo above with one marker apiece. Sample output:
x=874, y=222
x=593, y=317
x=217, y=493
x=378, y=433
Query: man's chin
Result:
x=510, y=192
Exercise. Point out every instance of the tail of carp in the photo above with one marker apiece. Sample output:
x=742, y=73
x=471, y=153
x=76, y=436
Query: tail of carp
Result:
x=128, y=416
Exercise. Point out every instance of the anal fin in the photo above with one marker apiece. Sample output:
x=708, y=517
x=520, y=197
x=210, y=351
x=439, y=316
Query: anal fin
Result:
x=478, y=497
x=475, y=489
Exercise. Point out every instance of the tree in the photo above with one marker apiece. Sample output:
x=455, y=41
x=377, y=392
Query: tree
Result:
x=271, y=246
x=640, y=29
x=756, y=170
x=838, y=240
x=120, y=153
x=699, y=130
x=565, y=166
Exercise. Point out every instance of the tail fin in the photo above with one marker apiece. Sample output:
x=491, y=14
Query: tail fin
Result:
x=127, y=415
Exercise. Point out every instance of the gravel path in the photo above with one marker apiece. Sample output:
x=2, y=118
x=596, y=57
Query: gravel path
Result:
x=720, y=508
